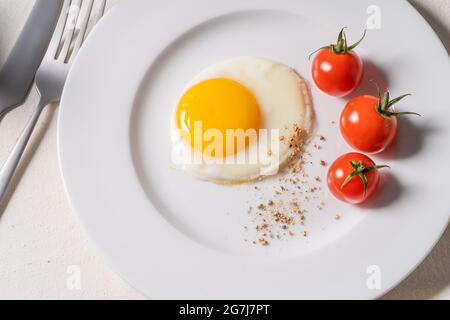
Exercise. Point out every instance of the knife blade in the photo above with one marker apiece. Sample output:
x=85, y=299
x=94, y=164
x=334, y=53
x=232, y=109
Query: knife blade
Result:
x=18, y=72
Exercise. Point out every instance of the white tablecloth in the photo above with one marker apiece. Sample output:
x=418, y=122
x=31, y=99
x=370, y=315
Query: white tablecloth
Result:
x=43, y=249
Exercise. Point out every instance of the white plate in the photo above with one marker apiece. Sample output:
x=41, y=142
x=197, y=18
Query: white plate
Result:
x=171, y=236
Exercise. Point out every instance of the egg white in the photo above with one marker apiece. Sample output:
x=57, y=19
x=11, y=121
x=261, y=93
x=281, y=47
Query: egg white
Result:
x=284, y=105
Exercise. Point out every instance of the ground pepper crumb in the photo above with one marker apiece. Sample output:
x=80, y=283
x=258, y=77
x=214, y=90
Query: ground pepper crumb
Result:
x=283, y=215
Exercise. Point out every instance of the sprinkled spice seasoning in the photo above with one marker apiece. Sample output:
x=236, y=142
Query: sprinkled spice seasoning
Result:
x=282, y=216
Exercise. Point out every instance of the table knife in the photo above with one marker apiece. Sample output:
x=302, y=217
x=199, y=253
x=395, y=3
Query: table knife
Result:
x=17, y=73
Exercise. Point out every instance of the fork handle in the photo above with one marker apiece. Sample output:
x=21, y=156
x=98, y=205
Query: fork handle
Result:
x=10, y=166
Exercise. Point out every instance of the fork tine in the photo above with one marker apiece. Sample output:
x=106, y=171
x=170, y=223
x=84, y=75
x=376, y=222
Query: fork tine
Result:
x=83, y=28
x=68, y=41
x=59, y=29
x=101, y=11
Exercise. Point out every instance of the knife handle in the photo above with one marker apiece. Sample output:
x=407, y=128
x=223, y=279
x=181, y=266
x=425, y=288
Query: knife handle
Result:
x=18, y=71
x=10, y=166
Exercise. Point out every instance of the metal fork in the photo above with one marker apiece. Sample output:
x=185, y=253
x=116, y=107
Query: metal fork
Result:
x=52, y=73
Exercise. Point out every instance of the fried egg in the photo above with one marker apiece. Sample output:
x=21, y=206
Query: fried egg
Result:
x=237, y=120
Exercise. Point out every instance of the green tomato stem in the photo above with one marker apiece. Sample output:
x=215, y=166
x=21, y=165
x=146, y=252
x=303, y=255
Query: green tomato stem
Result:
x=360, y=170
x=341, y=46
x=385, y=104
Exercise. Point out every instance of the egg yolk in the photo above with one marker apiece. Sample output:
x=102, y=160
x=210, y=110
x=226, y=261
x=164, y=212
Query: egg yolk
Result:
x=212, y=107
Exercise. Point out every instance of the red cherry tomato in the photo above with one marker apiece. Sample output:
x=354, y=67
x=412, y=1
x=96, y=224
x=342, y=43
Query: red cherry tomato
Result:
x=337, y=74
x=336, y=69
x=364, y=128
x=353, y=177
x=368, y=123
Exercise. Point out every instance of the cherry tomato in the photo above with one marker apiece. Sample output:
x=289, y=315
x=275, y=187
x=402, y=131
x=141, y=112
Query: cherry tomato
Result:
x=353, y=177
x=369, y=124
x=337, y=74
x=336, y=69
